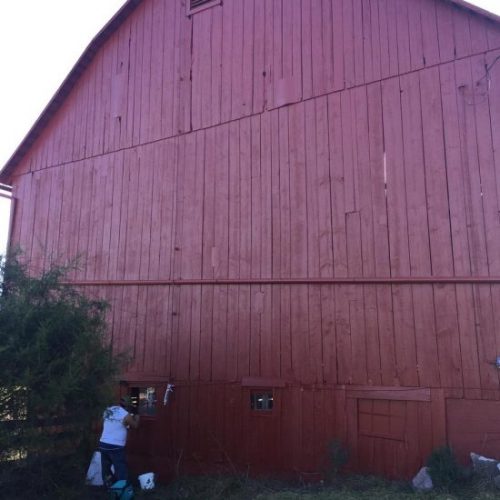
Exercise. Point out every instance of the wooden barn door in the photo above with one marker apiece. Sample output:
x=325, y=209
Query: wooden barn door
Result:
x=389, y=436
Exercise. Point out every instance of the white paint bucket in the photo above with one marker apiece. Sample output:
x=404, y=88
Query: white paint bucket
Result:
x=147, y=481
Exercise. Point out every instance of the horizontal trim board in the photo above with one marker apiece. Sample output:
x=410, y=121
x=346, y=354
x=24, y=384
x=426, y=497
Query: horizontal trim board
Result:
x=262, y=382
x=438, y=280
x=391, y=393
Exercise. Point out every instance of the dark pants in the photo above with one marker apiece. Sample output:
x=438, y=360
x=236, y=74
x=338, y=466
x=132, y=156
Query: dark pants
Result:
x=113, y=455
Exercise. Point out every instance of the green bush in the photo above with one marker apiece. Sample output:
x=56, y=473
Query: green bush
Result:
x=56, y=376
x=444, y=468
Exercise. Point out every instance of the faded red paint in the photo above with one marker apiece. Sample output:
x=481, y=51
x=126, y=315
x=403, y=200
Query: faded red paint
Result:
x=302, y=194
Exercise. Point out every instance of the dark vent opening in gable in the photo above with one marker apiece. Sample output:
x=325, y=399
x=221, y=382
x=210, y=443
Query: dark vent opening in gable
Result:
x=198, y=3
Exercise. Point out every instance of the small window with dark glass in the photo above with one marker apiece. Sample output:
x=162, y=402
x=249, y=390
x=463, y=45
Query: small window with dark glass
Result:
x=261, y=400
x=143, y=400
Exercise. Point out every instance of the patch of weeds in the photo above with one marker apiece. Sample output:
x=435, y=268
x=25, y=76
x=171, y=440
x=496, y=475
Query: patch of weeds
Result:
x=444, y=469
x=338, y=456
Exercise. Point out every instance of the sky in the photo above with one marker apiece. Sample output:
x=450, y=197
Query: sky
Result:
x=40, y=41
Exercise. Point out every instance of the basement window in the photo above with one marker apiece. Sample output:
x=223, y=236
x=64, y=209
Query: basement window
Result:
x=194, y=6
x=261, y=400
x=143, y=400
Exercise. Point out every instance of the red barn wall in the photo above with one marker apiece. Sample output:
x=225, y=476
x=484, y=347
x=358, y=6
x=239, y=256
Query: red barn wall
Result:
x=335, y=164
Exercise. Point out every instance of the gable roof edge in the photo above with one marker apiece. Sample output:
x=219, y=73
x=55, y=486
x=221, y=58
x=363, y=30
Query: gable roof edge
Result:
x=66, y=86
x=477, y=10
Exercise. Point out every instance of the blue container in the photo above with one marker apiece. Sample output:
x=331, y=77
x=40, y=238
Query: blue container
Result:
x=121, y=490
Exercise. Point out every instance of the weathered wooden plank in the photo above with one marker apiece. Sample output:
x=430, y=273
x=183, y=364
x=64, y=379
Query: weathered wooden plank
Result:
x=438, y=416
x=461, y=31
x=193, y=206
x=348, y=42
x=120, y=88
x=359, y=69
x=256, y=308
x=55, y=211
x=327, y=45
x=269, y=336
x=337, y=185
x=102, y=216
x=172, y=157
x=85, y=208
x=157, y=186
x=384, y=38
x=41, y=220
x=315, y=333
x=244, y=325
x=429, y=32
x=171, y=68
x=182, y=100
x=444, y=17
x=158, y=34
x=245, y=106
x=201, y=341
x=418, y=230
x=232, y=337
x=145, y=208
x=286, y=364
x=259, y=57
x=403, y=32
x=396, y=201
x=255, y=187
x=366, y=12
x=388, y=393
x=323, y=193
x=201, y=86
x=234, y=200
x=378, y=180
x=470, y=169
x=487, y=342
x=132, y=254
x=415, y=33
x=468, y=337
x=338, y=45
x=486, y=160
x=227, y=61
x=135, y=80
x=404, y=336
x=371, y=327
x=310, y=64
x=210, y=205
x=109, y=61
x=349, y=151
x=237, y=59
x=318, y=55
x=345, y=363
x=245, y=198
x=313, y=210
x=392, y=36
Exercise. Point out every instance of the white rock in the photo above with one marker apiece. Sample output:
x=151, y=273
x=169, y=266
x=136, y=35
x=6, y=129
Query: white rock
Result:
x=422, y=481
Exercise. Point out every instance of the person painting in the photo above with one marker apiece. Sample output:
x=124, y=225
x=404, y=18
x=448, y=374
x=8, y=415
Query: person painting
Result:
x=116, y=422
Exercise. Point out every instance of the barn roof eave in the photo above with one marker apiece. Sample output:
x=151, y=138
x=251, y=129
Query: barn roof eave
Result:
x=85, y=59
x=66, y=86
x=476, y=9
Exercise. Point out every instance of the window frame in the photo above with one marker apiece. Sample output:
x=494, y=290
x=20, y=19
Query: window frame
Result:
x=266, y=393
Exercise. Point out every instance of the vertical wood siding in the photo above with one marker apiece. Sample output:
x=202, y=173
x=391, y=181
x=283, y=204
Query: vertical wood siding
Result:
x=271, y=139
x=163, y=73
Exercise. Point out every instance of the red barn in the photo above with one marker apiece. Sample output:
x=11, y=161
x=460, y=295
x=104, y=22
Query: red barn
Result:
x=292, y=207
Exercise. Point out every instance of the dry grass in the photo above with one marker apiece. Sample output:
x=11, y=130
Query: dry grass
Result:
x=241, y=488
